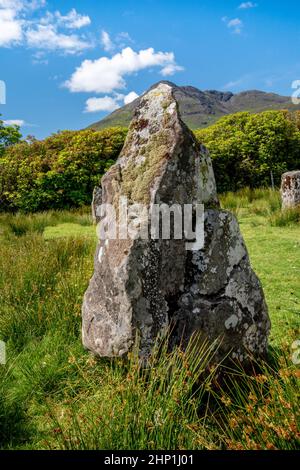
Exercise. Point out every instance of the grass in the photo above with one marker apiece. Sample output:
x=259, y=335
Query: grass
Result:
x=54, y=395
x=19, y=224
x=274, y=248
x=64, y=230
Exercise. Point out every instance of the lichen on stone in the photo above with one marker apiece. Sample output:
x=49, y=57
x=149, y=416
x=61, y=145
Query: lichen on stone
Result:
x=137, y=178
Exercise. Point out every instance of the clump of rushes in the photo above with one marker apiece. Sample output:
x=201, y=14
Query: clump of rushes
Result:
x=152, y=405
x=260, y=411
x=285, y=217
x=260, y=201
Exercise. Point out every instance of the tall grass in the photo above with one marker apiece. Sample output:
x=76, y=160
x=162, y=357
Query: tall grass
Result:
x=39, y=286
x=53, y=394
x=19, y=225
x=260, y=411
x=285, y=217
x=261, y=202
x=142, y=406
x=258, y=201
x=178, y=402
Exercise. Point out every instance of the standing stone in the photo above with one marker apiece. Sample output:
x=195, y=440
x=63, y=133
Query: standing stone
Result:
x=142, y=286
x=290, y=189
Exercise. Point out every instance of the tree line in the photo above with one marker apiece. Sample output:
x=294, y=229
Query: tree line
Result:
x=61, y=171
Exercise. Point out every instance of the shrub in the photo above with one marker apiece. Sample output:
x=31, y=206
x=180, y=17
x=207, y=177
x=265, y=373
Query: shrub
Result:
x=246, y=147
x=58, y=172
x=9, y=135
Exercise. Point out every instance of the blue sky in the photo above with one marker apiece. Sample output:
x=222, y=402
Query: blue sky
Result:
x=67, y=64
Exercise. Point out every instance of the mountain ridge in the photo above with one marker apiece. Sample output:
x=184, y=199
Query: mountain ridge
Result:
x=201, y=108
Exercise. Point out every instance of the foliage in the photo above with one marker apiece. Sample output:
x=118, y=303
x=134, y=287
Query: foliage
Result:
x=246, y=147
x=58, y=172
x=62, y=170
x=9, y=135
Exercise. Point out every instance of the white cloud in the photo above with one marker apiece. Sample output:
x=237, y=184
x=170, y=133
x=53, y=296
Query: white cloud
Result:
x=73, y=20
x=235, y=25
x=48, y=38
x=10, y=27
x=105, y=75
x=120, y=41
x=22, y=5
x=11, y=22
x=233, y=84
x=14, y=122
x=107, y=103
x=130, y=97
x=247, y=81
x=46, y=34
x=33, y=4
x=10, y=4
x=39, y=57
x=247, y=5
x=123, y=39
x=124, y=36
x=106, y=42
x=170, y=69
x=18, y=25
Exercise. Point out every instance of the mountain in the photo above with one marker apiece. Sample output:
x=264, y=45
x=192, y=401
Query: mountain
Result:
x=202, y=108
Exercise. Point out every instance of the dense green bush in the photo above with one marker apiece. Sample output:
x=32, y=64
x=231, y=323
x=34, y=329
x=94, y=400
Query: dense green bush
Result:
x=58, y=172
x=9, y=135
x=61, y=171
x=246, y=148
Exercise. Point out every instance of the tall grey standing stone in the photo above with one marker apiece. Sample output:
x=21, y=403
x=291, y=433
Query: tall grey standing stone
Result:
x=140, y=287
x=290, y=189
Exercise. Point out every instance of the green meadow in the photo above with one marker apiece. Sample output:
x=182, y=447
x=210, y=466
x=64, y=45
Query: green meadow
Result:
x=55, y=395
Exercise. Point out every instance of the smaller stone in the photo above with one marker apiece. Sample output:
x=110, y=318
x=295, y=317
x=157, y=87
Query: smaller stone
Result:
x=96, y=202
x=290, y=189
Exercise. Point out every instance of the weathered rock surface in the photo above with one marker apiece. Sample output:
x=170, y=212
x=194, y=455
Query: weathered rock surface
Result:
x=141, y=286
x=96, y=203
x=290, y=189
